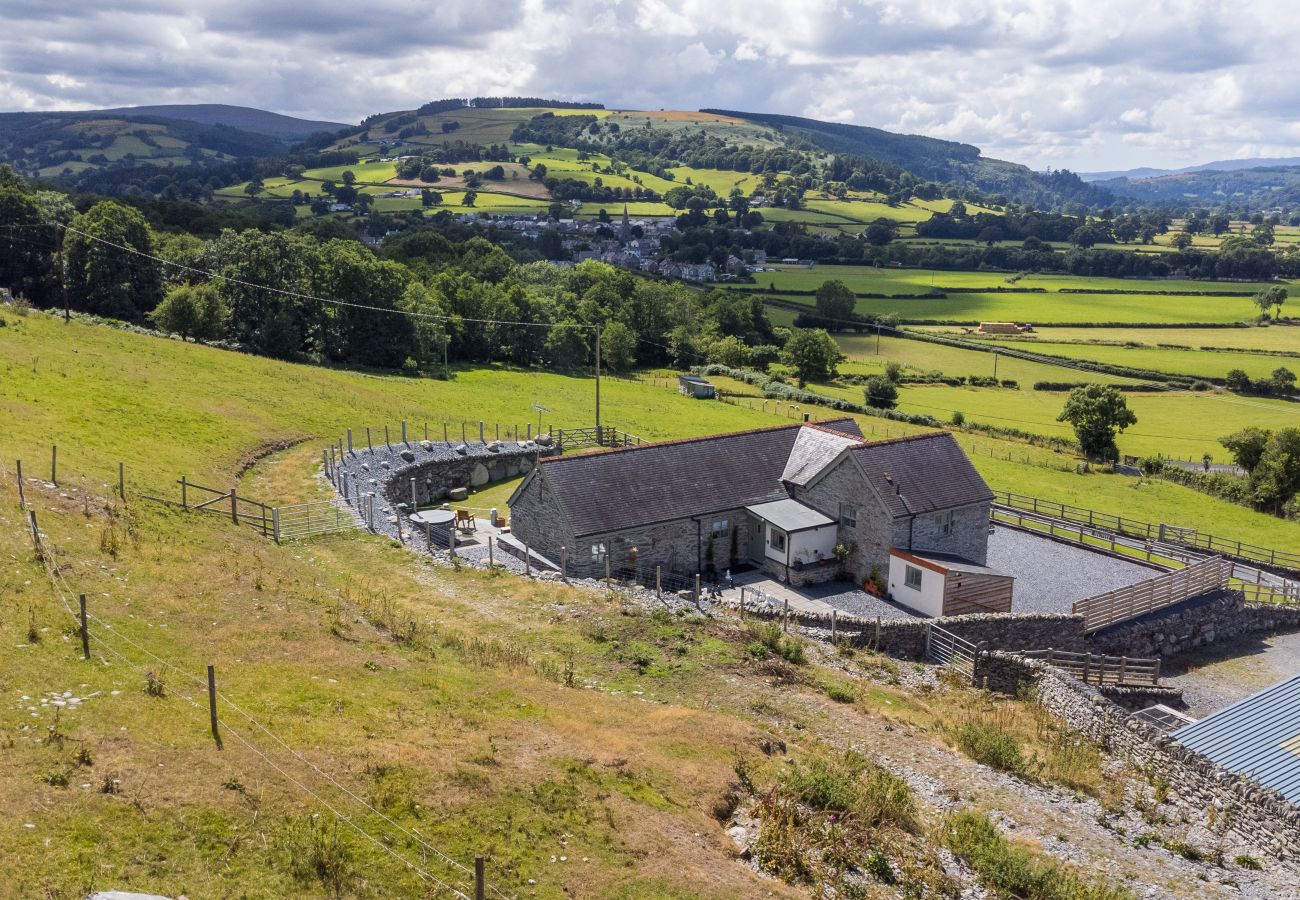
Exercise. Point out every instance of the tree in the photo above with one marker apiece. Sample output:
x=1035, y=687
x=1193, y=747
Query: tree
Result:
x=469, y=198
x=880, y=392
x=879, y=233
x=1083, y=237
x=194, y=311
x=1247, y=445
x=103, y=275
x=1237, y=381
x=617, y=347
x=1282, y=381
x=349, y=177
x=254, y=187
x=812, y=353
x=1271, y=296
x=835, y=302
x=1181, y=241
x=730, y=351
x=430, y=198
x=989, y=235
x=1097, y=413
x=1276, y=478
x=565, y=349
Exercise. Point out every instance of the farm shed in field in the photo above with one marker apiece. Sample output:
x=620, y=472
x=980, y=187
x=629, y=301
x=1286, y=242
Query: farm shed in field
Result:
x=695, y=386
x=780, y=499
x=1258, y=736
x=939, y=584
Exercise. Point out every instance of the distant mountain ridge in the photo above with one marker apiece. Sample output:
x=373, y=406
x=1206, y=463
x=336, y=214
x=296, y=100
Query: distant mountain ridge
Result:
x=245, y=118
x=1220, y=165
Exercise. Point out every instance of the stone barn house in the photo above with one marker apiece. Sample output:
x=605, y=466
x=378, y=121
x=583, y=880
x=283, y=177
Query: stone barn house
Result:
x=782, y=499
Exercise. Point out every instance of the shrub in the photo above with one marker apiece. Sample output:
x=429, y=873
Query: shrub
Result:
x=840, y=693
x=992, y=746
x=1248, y=862
x=1017, y=871
x=881, y=392
x=852, y=784
x=958, y=418
x=315, y=850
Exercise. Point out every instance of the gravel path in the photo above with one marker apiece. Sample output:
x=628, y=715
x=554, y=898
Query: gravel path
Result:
x=1051, y=576
x=1220, y=675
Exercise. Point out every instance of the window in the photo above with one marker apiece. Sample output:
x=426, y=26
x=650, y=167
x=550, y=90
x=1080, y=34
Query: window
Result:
x=776, y=539
x=720, y=528
x=848, y=515
x=598, y=553
x=912, y=578
x=945, y=522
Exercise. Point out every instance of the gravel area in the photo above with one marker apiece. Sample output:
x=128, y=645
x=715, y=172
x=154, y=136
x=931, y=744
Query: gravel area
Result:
x=846, y=597
x=1220, y=675
x=1051, y=576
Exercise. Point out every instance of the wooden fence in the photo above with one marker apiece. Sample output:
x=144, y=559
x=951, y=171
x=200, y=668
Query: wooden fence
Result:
x=226, y=503
x=1092, y=668
x=1152, y=532
x=596, y=436
x=1155, y=593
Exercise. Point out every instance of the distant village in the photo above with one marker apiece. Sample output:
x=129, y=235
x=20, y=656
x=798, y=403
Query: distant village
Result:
x=633, y=244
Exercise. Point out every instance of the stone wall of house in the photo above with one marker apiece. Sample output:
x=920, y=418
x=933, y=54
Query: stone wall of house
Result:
x=680, y=547
x=968, y=539
x=538, y=519
x=1221, y=616
x=1251, y=812
x=873, y=534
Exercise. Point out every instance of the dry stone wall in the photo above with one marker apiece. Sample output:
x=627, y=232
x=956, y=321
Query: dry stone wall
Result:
x=1253, y=813
x=1217, y=617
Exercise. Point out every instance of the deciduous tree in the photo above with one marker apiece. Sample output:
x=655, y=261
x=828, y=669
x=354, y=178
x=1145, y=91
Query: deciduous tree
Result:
x=1097, y=413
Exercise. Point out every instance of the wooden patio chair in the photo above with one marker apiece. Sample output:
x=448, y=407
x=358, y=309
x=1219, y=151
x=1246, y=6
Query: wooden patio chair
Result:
x=465, y=520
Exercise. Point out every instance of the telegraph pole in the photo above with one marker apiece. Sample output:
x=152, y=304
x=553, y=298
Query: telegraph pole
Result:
x=995, y=365
x=598, y=381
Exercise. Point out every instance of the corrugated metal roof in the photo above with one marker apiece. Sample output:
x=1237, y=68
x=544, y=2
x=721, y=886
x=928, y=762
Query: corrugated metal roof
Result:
x=790, y=515
x=1258, y=736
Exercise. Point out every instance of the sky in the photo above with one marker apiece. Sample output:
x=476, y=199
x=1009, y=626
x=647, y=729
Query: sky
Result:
x=1086, y=85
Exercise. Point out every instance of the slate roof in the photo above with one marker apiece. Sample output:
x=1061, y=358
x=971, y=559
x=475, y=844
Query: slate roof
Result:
x=922, y=473
x=1258, y=736
x=614, y=490
x=815, y=448
x=790, y=515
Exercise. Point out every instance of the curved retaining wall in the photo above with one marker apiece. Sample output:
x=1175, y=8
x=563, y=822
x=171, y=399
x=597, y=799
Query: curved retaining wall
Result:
x=438, y=468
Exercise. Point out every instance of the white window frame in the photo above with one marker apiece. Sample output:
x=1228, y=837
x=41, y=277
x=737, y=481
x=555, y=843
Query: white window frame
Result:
x=599, y=553
x=912, y=577
x=720, y=528
x=777, y=540
x=848, y=515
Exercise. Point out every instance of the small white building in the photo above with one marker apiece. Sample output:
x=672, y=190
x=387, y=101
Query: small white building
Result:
x=937, y=584
x=797, y=540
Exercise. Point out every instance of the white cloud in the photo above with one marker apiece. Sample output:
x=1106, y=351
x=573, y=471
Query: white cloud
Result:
x=1088, y=84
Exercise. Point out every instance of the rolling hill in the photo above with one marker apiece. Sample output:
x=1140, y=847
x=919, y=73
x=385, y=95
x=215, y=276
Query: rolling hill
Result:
x=245, y=118
x=1249, y=189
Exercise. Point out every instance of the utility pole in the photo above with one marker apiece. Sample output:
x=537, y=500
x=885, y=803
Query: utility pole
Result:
x=446, y=368
x=877, y=339
x=995, y=365
x=597, y=381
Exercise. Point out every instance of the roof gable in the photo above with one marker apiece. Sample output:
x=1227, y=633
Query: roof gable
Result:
x=814, y=450
x=921, y=473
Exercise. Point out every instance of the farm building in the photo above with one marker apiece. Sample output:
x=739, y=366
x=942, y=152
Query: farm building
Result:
x=1258, y=736
x=780, y=499
x=695, y=386
x=936, y=584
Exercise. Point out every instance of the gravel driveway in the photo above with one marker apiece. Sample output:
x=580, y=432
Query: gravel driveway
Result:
x=1051, y=576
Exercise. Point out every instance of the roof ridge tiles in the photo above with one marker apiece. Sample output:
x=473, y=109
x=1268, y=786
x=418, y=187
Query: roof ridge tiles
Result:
x=699, y=439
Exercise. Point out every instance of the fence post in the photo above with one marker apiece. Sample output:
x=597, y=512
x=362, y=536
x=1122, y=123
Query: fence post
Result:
x=325, y=462
x=54, y=464
x=387, y=443
x=606, y=569
x=834, y=625
x=497, y=426
x=927, y=639
x=397, y=514
x=1123, y=668
x=742, y=603
x=659, y=582
x=22, y=497
x=451, y=539
x=426, y=431
x=275, y=522
x=85, y=632
x=234, y=505
x=528, y=561
x=185, y=504
x=121, y=480
x=212, y=704
x=492, y=563
x=370, y=509
x=369, y=446
x=428, y=537
x=414, y=504
x=480, y=432
x=564, y=561
x=445, y=440
x=478, y=877
x=785, y=616
x=404, y=432
x=349, y=440
x=697, y=587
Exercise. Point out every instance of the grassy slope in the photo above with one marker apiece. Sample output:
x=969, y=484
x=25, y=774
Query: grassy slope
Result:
x=466, y=732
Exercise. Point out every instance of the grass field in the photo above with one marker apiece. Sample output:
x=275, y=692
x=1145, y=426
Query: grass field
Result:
x=1283, y=338
x=1205, y=363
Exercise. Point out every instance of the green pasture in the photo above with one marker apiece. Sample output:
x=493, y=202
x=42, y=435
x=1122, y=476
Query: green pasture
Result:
x=368, y=171
x=590, y=209
x=1206, y=363
x=1273, y=337
x=1048, y=308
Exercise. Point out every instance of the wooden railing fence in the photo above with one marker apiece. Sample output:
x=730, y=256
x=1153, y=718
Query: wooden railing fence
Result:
x=1164, y=533
x=1152, y=594
x=1092, y=668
